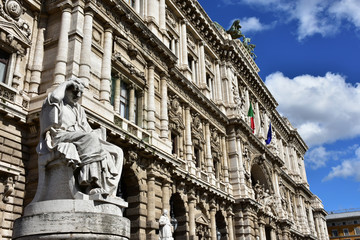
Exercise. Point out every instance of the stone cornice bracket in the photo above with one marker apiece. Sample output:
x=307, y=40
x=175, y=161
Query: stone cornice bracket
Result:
x=191, y=195
x=212, y=204
x=165, y=75
x=54, y=6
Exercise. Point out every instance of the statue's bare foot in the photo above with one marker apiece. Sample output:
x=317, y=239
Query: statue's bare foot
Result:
x=98, y=191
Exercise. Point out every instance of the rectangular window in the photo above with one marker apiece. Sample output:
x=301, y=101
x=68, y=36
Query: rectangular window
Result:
x=124, y=100
x=190, y=61
x=174, y=142
x=346, y=232
x=4, y=60
x=357, y=230
x=334, y=233
x=216, y=168
x=197, y=155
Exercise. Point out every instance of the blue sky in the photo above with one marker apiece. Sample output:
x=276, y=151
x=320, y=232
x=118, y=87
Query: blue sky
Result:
x=308, y=53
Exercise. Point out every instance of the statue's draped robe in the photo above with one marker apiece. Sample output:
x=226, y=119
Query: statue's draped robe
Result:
x=64, y=128
x=165, y=228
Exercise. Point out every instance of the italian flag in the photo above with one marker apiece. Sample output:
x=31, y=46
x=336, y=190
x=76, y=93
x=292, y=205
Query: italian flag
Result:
x=251, y=115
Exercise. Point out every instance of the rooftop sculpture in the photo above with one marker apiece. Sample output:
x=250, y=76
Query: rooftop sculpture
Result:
x=236, y=33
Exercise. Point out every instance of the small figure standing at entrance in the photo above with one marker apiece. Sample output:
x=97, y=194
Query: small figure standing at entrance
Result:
x=165, y=230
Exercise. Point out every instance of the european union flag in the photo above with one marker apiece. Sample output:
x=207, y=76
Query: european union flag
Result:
x=269, y=135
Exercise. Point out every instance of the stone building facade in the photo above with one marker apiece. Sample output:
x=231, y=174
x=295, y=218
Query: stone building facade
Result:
x=173, y=92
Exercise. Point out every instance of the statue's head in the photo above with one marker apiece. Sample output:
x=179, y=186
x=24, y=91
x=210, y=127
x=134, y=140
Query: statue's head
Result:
x=165, y=212
x=74, y=91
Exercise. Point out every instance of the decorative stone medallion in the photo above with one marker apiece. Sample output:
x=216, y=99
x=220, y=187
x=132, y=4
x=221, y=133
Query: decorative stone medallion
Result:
x=13, y=8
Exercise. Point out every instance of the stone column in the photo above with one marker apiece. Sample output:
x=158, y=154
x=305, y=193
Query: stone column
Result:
x=137, y=7
x=35, y=78
x=17, y=75
x=162, y=16
x=281, y=150
x=188, y=141
x=140, y=107
x=166, y=195
x=85, y=56
x=292, y=159
x=262, y=231
x=257, y=119
x=230, y=86
x=311, y=221
x=247, y=101
x=213, y=221
x=151, y=207
x=202, y=65
x=219, y=96
x=105, y=87
x=193, y=73
x=173, y=46
x=184, y=52
x=234, y=164
x=208, y=155
x=225, y=159
x=230, y=215
x=267, y=123
x=197, y=72
x=151, y=99
x=164, y=109
x=192, y=226
x=117, y=95
x=152, y=10
x=273, y=234
x=132, y=103
x=290, y=202
x=223, y=80
x=303, y=172
x=285, y=234
x=287, y=158
x=276, y=183
x=243, y=191
x=317, y=227
x=62, y=51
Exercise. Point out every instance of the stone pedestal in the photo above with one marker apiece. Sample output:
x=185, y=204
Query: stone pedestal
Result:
x=73, y=219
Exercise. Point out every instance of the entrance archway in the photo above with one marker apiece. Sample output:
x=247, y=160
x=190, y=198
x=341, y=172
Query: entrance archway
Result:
x=221, y=226
x=178, y=212
x=129, y=190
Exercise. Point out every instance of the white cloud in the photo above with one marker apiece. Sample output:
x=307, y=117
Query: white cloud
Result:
x=253, y=24
x=324, y=109
x=347, y=9
x=348, y=168
x=317, y=157
x=312, y=16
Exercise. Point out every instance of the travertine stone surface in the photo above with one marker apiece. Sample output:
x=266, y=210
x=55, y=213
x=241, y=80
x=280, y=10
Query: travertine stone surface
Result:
x=77, y=219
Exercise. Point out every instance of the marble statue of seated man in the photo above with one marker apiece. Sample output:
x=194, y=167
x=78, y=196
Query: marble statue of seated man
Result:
x=64, y=128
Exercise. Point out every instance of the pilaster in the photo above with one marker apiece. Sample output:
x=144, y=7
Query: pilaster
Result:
x=105, y=87
x=63, y=46
x=35, y=78
x=151, y=99
x=85, y=59
x=164, y=109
